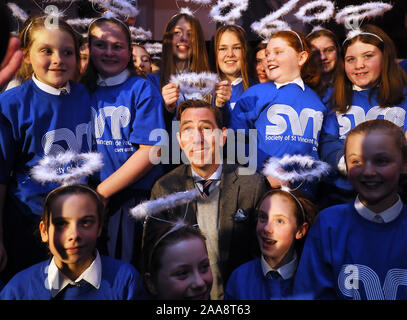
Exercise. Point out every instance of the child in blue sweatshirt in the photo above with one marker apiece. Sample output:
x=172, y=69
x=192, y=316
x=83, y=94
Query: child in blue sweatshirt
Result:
x=283, y=220
x=369, y=84
x=357, y=250
x=48, y=114
x=126, y=109
x=285, y=111
x=71, y=224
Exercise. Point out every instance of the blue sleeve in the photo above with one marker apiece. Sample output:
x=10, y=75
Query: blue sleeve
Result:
x=8, y=293
x=149, y=115
x=136, y=291
x=127, y=281
x=230, y=291
x=239, y=117
x=154, y=79
x=314, y=278
x=331, y=147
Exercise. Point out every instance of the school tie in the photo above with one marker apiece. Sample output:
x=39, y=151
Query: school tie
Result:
x=205, y=187
x=274, y=275
x=378, y=218
x=63, y=92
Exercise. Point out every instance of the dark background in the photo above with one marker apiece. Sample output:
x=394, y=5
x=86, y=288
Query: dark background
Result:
x=393, y=22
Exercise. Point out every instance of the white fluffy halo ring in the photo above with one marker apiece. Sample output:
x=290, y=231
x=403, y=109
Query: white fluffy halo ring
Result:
x=152, y=207
x=235, y=10
x=308, y=168
x=52, y=167
x=324, y=15
x=195, y=85
x=358, y=13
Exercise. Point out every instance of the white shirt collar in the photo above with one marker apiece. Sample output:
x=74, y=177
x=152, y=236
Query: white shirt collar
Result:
x=286, y=271
x=57, y=281
x=298, y=81
x=50, y=89
x=236, y=81
x=357, y=88
x=115, y=80
x=387, y=215
x=215, y=176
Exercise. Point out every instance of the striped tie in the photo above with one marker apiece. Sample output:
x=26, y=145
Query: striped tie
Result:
x=205, y=188
x=274, y=275
x=63, y=92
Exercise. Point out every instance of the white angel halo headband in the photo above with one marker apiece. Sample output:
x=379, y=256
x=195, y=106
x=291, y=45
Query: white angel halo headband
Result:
x=152, y=207
x=356, y=14
x=53, y=168
x=56, y=168
x=322, y=16
x=271, y=23
x=195, y=85
x=353, y=34
x=236, y=8
x=309, y=169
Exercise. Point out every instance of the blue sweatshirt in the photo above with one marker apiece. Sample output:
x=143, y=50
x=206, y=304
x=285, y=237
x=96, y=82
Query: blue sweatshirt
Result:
x=336, y=126
x=288, y=120
x=248, y=282
x=349, y=257
x=124, y=115
x=120, y=281
x=34, y=123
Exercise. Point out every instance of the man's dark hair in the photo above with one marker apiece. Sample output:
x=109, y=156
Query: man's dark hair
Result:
x=200, y=104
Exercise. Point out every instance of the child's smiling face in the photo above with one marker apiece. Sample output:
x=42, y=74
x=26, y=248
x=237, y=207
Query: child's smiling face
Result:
x=277, y=228
x=52, y=56
x=72, y=232
x=109, y=49
x=185, y=272
x=374, y=164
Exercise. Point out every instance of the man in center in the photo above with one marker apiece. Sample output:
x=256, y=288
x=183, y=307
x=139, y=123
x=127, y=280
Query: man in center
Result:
x=225, y=210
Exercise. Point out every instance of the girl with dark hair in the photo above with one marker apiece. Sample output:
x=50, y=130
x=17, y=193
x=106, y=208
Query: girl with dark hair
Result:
x=260, y=57
x=368, y=84
x=326, y=43
x=282, y=223
x=175, y=261
x=184, y=50
x=71, y=224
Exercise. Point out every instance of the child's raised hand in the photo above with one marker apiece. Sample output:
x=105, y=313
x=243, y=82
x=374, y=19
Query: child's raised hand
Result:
x=170, y=93
x=11, y=62
x=223, y=92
